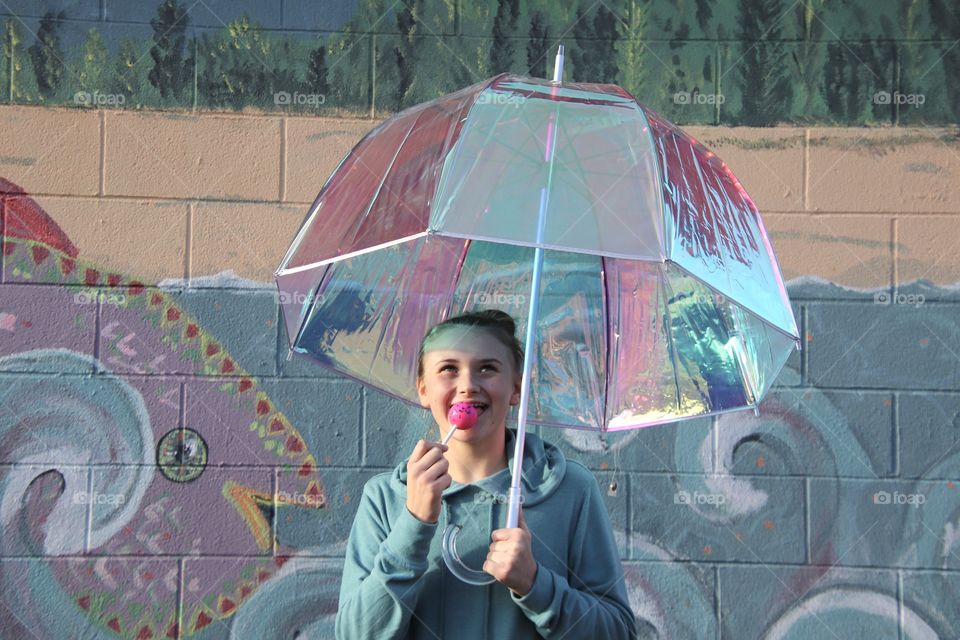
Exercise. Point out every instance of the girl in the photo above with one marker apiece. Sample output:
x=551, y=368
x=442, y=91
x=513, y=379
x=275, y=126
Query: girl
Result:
x=558, y=574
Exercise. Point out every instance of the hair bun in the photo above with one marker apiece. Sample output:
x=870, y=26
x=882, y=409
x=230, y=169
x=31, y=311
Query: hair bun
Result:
x=505, y=320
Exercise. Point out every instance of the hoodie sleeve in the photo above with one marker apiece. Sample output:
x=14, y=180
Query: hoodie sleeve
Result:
x=593, y=602
x=382, y=570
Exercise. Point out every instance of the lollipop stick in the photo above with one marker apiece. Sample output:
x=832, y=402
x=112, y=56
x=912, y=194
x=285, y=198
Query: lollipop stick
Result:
x=449, y=435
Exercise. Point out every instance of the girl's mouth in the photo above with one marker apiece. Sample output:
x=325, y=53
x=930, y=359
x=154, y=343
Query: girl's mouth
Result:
x=480, y=407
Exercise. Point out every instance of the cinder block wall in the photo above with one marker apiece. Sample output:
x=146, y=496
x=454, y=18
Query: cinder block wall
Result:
x=187, y=215
x=137, y=312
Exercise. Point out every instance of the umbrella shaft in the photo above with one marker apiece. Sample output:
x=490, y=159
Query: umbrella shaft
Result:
x=513, y=514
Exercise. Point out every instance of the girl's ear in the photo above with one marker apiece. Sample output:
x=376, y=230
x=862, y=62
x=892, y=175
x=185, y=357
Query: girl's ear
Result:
x=515, y=396
x=422, y=392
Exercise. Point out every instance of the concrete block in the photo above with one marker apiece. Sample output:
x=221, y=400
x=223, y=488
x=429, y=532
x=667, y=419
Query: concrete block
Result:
x=902, y=170
x=51, y=150
x=192, y=156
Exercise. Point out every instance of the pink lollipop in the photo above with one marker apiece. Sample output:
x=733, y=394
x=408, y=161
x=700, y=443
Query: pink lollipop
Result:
x=462, y=415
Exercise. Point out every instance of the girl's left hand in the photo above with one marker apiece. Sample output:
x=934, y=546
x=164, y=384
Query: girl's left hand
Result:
x=510, y=559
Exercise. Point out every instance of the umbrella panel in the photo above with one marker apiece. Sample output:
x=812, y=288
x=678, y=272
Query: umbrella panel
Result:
x=675, y=348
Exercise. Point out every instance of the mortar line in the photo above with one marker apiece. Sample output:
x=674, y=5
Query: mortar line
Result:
x=806, y=169
x=900, y=606
x=283, y=160
x=181, y=582
x=804, y=346
x=188, y=247
x=894, y=255
x=717, y=601
x=101, y=188
x=89, y=512
x=807, y=547
x=363, y=427
x=182, y=418
x=895, y=413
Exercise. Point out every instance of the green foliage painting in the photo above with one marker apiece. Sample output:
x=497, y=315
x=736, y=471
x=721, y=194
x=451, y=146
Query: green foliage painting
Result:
x=744, y=62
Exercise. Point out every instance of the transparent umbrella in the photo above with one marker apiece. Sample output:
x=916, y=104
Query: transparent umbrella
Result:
x=636, y=264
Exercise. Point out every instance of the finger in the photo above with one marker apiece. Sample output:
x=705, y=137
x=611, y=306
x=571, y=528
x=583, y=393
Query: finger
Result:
x=430, y=458
x=522, y=521
x=502, y=546
x=418, y=451
x=493, y=568
x=436, y=470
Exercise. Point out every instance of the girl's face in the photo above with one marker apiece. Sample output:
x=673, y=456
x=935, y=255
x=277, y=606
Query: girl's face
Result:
x=469, y=365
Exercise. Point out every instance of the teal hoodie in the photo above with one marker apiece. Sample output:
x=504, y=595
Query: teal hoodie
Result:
x=396, y=585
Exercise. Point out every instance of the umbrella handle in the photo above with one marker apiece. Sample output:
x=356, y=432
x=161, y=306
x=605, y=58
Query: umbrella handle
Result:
x=452, y=558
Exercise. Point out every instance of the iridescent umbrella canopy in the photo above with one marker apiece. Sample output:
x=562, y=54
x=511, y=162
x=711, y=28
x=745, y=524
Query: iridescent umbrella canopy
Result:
x=660, y=298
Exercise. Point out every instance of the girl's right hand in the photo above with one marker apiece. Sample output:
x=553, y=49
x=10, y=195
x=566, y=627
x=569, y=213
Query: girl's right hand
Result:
x=427, y=477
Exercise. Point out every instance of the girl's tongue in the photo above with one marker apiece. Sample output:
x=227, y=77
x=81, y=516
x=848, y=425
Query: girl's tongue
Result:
x=463, y=415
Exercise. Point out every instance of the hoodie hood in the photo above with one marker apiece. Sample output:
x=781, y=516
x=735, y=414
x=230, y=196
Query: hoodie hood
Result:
x=544, y=466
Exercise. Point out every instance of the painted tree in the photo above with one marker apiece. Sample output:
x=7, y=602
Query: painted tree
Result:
x=947, y=25
x=127, y=76
x=46, y=55
x=92, y=72
x=12, y=59
x=502, y=49
x=594, y=52
x=236, y=69
x=405, y=51
x=809, y=54
x=538, y=45
x=171, y=68
x=317, y=70
x=852, y=75
x=631, y=72
x=766, y=87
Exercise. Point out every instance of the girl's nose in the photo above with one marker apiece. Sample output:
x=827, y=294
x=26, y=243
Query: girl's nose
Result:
x=467, y=382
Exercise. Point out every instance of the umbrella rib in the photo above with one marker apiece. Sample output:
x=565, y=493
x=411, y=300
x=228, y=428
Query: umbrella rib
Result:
x=661, y=280
x=605, y=307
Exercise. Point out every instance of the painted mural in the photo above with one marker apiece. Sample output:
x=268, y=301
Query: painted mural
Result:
x=166, y=472
x=102, y=469
x=129, y=511
x=741, y=62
